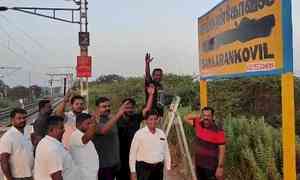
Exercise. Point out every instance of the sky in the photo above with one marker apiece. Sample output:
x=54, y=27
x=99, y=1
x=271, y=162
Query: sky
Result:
x=121, y=33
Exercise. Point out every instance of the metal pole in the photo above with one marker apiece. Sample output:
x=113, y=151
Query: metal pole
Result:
x=29, y=90
x=186, y=147
x=288, y=126
x=65, y=86
x=84, y=49
x=51, y=87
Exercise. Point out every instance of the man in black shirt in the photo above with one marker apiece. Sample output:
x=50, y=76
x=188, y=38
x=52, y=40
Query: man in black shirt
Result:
x=127, y=126
x=155, y=79
x=40, y=125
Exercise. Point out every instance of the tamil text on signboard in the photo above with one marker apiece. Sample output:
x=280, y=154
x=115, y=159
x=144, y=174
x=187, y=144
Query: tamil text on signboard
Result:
x=240, y=37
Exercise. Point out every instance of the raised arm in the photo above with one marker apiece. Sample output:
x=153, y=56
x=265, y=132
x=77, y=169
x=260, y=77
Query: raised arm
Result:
x=60, y=110
x=189, y=119
x=110, y=124
x=89, y=134
x=151, y=91
x=148, y=60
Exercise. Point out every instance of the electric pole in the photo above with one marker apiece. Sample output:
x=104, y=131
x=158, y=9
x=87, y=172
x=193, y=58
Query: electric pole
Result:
x=83, y=61
x=69, y=72
x=65, y=77
x=11, y=70
x=84, y=42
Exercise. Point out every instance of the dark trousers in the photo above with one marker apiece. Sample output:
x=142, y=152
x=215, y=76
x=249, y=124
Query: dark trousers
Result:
x=146, y=171
x=124, y=173
x=205, y=174
x=108, y=173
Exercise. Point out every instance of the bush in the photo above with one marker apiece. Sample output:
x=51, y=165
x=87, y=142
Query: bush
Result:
x=253, y=150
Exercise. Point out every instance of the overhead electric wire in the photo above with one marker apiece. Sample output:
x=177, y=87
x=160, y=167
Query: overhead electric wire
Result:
x=17, y=54
x=21, y=30
x=26, y=54
x=30, y=37
x=27, y=35
x=20, y=56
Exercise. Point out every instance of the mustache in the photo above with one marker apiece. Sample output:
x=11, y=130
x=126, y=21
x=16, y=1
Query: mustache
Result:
x=23, y=124
x=105, y=113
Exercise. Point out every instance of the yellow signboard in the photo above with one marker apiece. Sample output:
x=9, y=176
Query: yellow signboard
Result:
x=241, y=37
x=252, y=38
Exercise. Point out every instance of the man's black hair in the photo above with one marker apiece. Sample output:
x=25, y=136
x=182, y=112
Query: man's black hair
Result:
x=130, y=100
x=151, y=113
x=54, y=121
x=82, y=117
x=17, y=111
x=42, y=103
x=208, y=109
x=157, y=69
x=76, y=97
x=100, y=100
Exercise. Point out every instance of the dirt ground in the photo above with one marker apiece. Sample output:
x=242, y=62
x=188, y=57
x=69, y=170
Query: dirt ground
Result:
x=178, y=171
x=174, y=176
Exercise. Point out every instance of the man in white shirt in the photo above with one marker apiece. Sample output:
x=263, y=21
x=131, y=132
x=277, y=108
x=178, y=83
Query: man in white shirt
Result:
x=16, y=149
x=52, y=161
x=149, y=151
x=77, y=107
x=82, y=148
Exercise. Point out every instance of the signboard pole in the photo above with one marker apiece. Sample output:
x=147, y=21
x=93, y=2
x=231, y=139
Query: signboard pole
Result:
x=203, y=93
x=288, y=127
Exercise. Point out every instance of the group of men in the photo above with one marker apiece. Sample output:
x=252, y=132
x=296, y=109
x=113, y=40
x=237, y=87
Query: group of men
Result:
x=76, y=145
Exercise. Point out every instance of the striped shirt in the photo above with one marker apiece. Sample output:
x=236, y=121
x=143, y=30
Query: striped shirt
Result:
x=206, y=144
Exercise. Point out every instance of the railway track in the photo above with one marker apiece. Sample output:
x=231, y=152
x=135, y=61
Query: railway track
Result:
x=30, y=108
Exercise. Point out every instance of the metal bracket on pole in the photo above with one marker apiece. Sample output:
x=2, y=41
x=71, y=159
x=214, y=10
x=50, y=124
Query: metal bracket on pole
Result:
x=38, y=11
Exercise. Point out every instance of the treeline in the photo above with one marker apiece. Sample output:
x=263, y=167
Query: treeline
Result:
x=251, y=97
x=120, y=87
x=9, y=95
x=249, y=108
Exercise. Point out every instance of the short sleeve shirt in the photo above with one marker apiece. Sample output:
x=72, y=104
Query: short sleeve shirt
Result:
x=20, y=149
x=107, y=146
x=206, y=144
x=84, y=155
x=70, y=127
x=51, y=157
